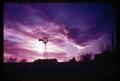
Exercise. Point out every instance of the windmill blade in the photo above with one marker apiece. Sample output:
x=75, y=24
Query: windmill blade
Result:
x=44, y=40
x=40, y=39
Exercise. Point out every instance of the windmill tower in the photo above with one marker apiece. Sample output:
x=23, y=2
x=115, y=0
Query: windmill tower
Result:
x=45, y=40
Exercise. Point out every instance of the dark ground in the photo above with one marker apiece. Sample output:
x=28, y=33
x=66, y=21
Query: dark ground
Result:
x=103, y=68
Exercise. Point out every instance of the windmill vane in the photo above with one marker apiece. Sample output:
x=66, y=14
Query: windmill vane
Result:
x=44, y=40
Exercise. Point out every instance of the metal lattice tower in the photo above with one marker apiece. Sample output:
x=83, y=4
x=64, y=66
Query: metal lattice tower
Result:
x=45, y=40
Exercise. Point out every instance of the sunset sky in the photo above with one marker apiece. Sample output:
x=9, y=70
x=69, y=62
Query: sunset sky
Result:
x=73, y=29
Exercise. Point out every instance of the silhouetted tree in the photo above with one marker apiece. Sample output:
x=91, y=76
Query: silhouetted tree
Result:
x=23, y=60
x=101, y=46
x=79, y=58
x=86, y=57
x=12, y=59
x=113, y=42
x=72, y=60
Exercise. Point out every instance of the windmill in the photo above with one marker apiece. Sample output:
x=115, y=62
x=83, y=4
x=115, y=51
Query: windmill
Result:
x=45, y=40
